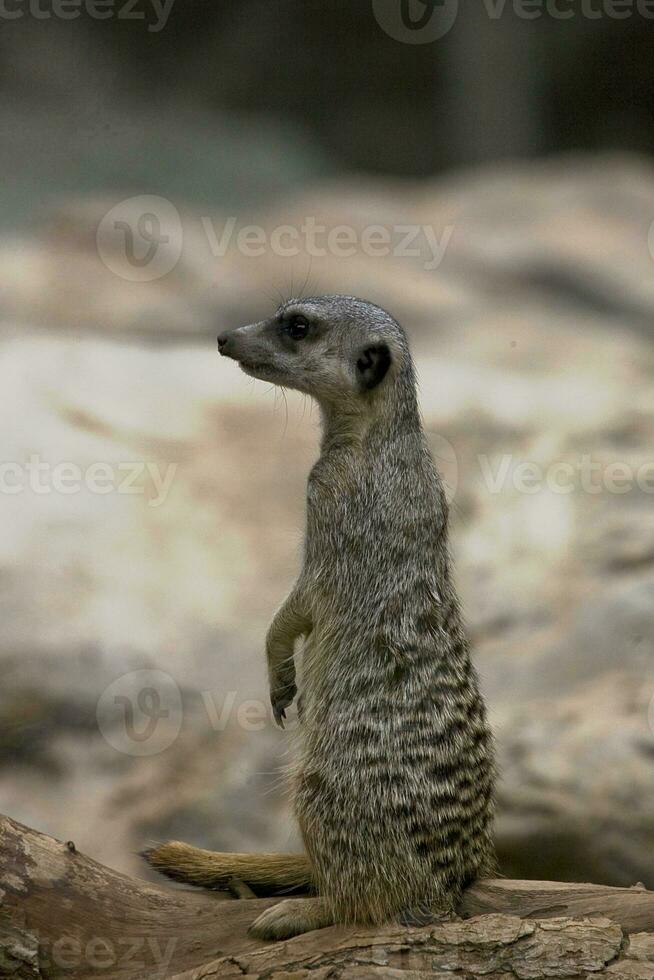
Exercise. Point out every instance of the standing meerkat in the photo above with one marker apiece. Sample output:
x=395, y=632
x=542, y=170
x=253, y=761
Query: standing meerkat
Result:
x=394, y=781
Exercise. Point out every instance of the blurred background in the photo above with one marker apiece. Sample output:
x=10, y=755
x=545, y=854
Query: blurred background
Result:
x=169, y=169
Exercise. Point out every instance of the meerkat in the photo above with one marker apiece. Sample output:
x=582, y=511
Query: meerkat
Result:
x=393, y=785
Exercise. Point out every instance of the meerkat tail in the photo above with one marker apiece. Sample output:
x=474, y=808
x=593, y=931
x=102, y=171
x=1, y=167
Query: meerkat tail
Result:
x=265, y=873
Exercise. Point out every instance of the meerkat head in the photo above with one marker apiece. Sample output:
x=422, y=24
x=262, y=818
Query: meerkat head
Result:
x=336, y=348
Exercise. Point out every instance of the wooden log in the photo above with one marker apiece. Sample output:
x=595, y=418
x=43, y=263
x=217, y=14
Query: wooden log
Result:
x=64, y=915
x=632, y=908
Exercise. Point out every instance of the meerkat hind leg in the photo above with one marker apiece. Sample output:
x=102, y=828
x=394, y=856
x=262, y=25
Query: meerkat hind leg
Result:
x=291, y=918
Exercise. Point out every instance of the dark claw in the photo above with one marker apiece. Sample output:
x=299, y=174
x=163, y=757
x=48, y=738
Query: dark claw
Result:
x=280, y=701
x=421, y=915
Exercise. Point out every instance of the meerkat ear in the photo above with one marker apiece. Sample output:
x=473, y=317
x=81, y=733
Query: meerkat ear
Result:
x=372, y=365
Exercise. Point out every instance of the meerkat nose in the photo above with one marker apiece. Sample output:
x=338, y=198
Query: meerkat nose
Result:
x=222, y=341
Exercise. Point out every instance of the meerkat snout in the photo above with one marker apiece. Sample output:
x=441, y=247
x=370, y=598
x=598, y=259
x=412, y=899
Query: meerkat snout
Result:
x=228, y=344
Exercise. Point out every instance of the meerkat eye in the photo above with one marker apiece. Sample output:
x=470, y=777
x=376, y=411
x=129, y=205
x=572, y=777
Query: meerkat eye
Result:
x=297, y=327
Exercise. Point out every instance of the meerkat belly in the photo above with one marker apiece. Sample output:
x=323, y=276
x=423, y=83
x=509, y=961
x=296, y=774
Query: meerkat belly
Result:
x=393, y=787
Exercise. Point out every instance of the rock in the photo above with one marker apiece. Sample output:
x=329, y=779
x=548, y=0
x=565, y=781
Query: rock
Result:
x=576, y=776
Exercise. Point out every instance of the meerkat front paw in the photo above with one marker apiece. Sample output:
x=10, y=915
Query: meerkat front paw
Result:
x=281, y=697
x=291, y=918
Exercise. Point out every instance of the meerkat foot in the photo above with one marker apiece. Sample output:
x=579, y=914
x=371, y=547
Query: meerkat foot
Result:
x=291, y=918
x=423, y=915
